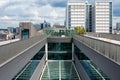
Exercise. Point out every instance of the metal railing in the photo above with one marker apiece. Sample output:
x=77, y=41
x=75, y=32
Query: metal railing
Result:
x=108, y=49
x=105, y=35
x=39, y=69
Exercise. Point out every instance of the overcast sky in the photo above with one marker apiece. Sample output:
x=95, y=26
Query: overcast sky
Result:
x=13, y=11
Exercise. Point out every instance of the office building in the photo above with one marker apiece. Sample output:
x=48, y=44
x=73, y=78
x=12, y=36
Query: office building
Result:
x=103, y=17
x=94, y=17
x=75, y=14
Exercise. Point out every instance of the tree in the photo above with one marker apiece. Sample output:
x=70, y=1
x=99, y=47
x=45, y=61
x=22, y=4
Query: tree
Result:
x=80, y=30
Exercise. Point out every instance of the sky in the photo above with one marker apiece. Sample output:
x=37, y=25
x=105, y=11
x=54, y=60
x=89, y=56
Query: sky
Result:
x=14, y=11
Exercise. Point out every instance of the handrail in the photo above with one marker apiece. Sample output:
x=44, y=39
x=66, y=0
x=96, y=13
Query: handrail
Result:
x=108, y=49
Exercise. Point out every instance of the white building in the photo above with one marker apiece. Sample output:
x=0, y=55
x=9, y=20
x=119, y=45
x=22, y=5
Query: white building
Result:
x=103, y=17
x=75, y=13
x=96, y=17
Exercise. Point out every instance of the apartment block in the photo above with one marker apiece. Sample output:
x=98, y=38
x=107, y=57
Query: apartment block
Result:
x=103, y=17
x=95, y=17
x=75, y=14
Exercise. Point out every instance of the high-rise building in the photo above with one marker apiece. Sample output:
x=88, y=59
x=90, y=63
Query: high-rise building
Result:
x=103, y=17
x=95, y=17
x=75, y=14
x=118, y=26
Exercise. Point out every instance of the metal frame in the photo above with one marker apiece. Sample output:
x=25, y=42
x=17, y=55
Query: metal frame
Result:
x=59, y=61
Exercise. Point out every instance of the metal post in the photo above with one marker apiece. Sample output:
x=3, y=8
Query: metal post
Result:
x=46, y=50
x=72, y=51
x=59, y=70
x=48, y=72
x=70, y=72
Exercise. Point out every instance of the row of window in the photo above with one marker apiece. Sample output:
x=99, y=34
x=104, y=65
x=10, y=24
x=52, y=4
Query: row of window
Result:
x=79, y=19
x=102, y=30
x=77, y=10
x=102, y=26
x=77, y=16
x=102, y=10
x=102, y=23
x=102, y=7
x=77, y=6
x=105, y=14
x=102, y=20
x=102, y=3
x=77, y=24
x=102, y=17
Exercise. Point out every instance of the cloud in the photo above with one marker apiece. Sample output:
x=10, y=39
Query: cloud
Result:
x=3, y=2
x=38, y=10
x=54, y=14
x=35, y=11
x=20, y=8
x=5, y=17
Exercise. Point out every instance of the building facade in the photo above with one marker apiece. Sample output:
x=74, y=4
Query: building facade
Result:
x=103, y=17
x=89, y=19
x=45, y=24
x=94, y=17
x=27, y=30
x=75, y=14
x=118, y=26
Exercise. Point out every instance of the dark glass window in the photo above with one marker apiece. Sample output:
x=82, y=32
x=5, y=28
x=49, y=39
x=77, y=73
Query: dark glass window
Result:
x=60, y=56
x=25, y=34
x=80, y=54
x=59, y=46
x=39, y=55
x=59, y=51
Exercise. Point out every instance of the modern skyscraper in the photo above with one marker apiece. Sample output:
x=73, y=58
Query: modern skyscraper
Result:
x=103, y=17
x=75, y=14
x=96, y=17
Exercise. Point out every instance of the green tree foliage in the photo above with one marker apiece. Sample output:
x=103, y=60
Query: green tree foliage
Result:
x=80, y=30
